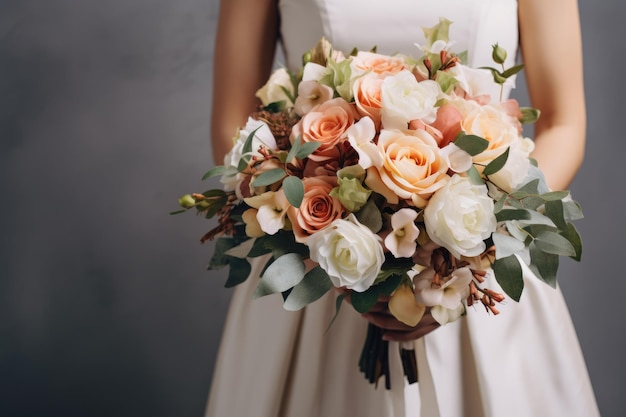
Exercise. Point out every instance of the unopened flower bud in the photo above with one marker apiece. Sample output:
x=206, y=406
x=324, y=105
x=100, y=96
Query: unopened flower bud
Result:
x=498, y=54
x=187, y=201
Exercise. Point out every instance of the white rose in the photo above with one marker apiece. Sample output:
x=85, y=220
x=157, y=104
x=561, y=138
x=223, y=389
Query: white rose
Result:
x=349, y=252
x=460, y=216
x=273, y=92
x=262, y=136
x=516, y=168
x=478, y=81
x=404, y=99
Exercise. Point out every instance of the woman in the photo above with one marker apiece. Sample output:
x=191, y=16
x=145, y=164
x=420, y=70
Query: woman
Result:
x=525, y=362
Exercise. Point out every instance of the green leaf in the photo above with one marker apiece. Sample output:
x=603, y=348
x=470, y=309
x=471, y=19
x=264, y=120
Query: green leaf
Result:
x=438, y=32
x=220, y=259
x=370, y=216
x=294, y=190
x=338, y=304
x=363, y=301
x=475, y=176
x=220, y=170
x=214, y=193
x=295, y=148
x=544, y=265
x=497, y=164
x=554, y=243
x=506, y=245
x=572, y=210
x=239, y=271
x=284, y=242
x=529, y=115
x=512, y=71
x=512, y=214
x=471, y=144
x=247, y=146
x=259, y=247
x=554, y=195
x=269, y=177
x=530, y=187
x=571, y=234
x=177, y=212
x=281, y=275
x=508, y=272
x=499, y=205
x=554, y=210
x=314, y=284
x=446, y=81
x=307, y=149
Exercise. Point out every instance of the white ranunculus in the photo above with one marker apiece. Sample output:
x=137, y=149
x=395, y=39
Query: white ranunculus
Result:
x=401, y=242
x=460, y=217
x=262, y=136
x=273, y=92
x=516, y=168
x=349, y=252
x=404, y=99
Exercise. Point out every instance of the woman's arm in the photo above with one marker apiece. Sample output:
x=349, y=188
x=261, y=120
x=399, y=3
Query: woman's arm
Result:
x=244, y=51
x=551, y=47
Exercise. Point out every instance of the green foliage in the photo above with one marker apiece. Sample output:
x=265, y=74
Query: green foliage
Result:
x=508, y=272
x=269, y=177
x=543, y=264
x=238, y=272
x=529, y=115
x=497, y=164
x=294, y=190
x=281, y=275
x=471, y=144
x=363, y=301
x=220, y=170
x=315, y=284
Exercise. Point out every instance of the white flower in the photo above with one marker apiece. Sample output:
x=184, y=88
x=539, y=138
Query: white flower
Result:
x=458, y=159
x=516, y=168
x=310, y=94
x=361, y=136
x=272, y=209
x=349, y=252
x=478, y=81
x=446, y=299
x=262, y=137
x=401, y=242
x=313, y=72
x=404, y=99
x=273, y=92
x=460, y=216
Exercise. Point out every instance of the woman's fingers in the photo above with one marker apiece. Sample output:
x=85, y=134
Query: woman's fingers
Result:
x=416, y=333
x=398, y=331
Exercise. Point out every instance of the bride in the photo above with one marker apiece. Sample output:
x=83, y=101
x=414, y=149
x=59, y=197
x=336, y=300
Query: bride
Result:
x=526, y=362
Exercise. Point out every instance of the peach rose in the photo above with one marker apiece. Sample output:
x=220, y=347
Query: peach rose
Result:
x=495, y=125
x=366, y=90
x=413, y=168
x=326, y=123
x=317, y=210
x=377, y=63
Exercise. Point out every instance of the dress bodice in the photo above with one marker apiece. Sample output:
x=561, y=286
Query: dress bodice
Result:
x=396, y=25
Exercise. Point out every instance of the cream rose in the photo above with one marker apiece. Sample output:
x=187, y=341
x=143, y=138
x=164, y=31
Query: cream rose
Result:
x=327, y=124
x=317, y=210
x=412, y=169
x=460, y=217
x=272, y=91
x=349, y=252
x=405, y=99
x=517, y=166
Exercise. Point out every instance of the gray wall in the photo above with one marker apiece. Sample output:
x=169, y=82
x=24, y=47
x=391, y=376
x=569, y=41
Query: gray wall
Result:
x=105, y=309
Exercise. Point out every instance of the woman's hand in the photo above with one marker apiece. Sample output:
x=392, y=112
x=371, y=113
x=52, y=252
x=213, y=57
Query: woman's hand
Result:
x=395, y=330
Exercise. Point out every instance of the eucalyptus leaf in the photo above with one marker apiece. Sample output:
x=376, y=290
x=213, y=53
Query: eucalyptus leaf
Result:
x=220, y=259
x=370, y=216
x=554, y=210
x=241, y=250
x=531, y=187
x=572, y=235
x=506, y=245
x=307, y=149
x=508, y=272
x=178, y=212
x=537, y=219
x=259, y=247
x=247, y=146
x=338, y=304
x=315, y=284
x=281, y=275
x=269, y=177
x=554, y=195
x=471, y=144
x=529, y=115
x=512, y=214
x=512, y=71
x=554, y=243
x=572, y=210
x=497, y=164
x=294, y=190
x=214, y=193
x=475, y=176
x=220, y=170
x=363, y=301
x=517, y=231
x=499, y=205
x=295, y=148
x=544, y=265
x=239, y=271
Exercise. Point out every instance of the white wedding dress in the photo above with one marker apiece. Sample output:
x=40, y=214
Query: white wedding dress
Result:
x=526, y=362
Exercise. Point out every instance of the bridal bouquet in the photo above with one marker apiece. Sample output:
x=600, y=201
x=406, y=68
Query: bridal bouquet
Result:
x=388, y=176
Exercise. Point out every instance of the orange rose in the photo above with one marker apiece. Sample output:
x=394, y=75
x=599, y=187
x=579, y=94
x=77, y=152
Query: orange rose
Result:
x=366, y=90
x=412, y=170
x=377, y=63
x=317, y=210
x=326, y=123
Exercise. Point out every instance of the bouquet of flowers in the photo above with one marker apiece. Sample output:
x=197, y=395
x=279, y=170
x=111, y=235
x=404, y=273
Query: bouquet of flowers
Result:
x=388, y=176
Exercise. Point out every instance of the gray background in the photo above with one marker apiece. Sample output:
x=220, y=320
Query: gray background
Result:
x=105, y=307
